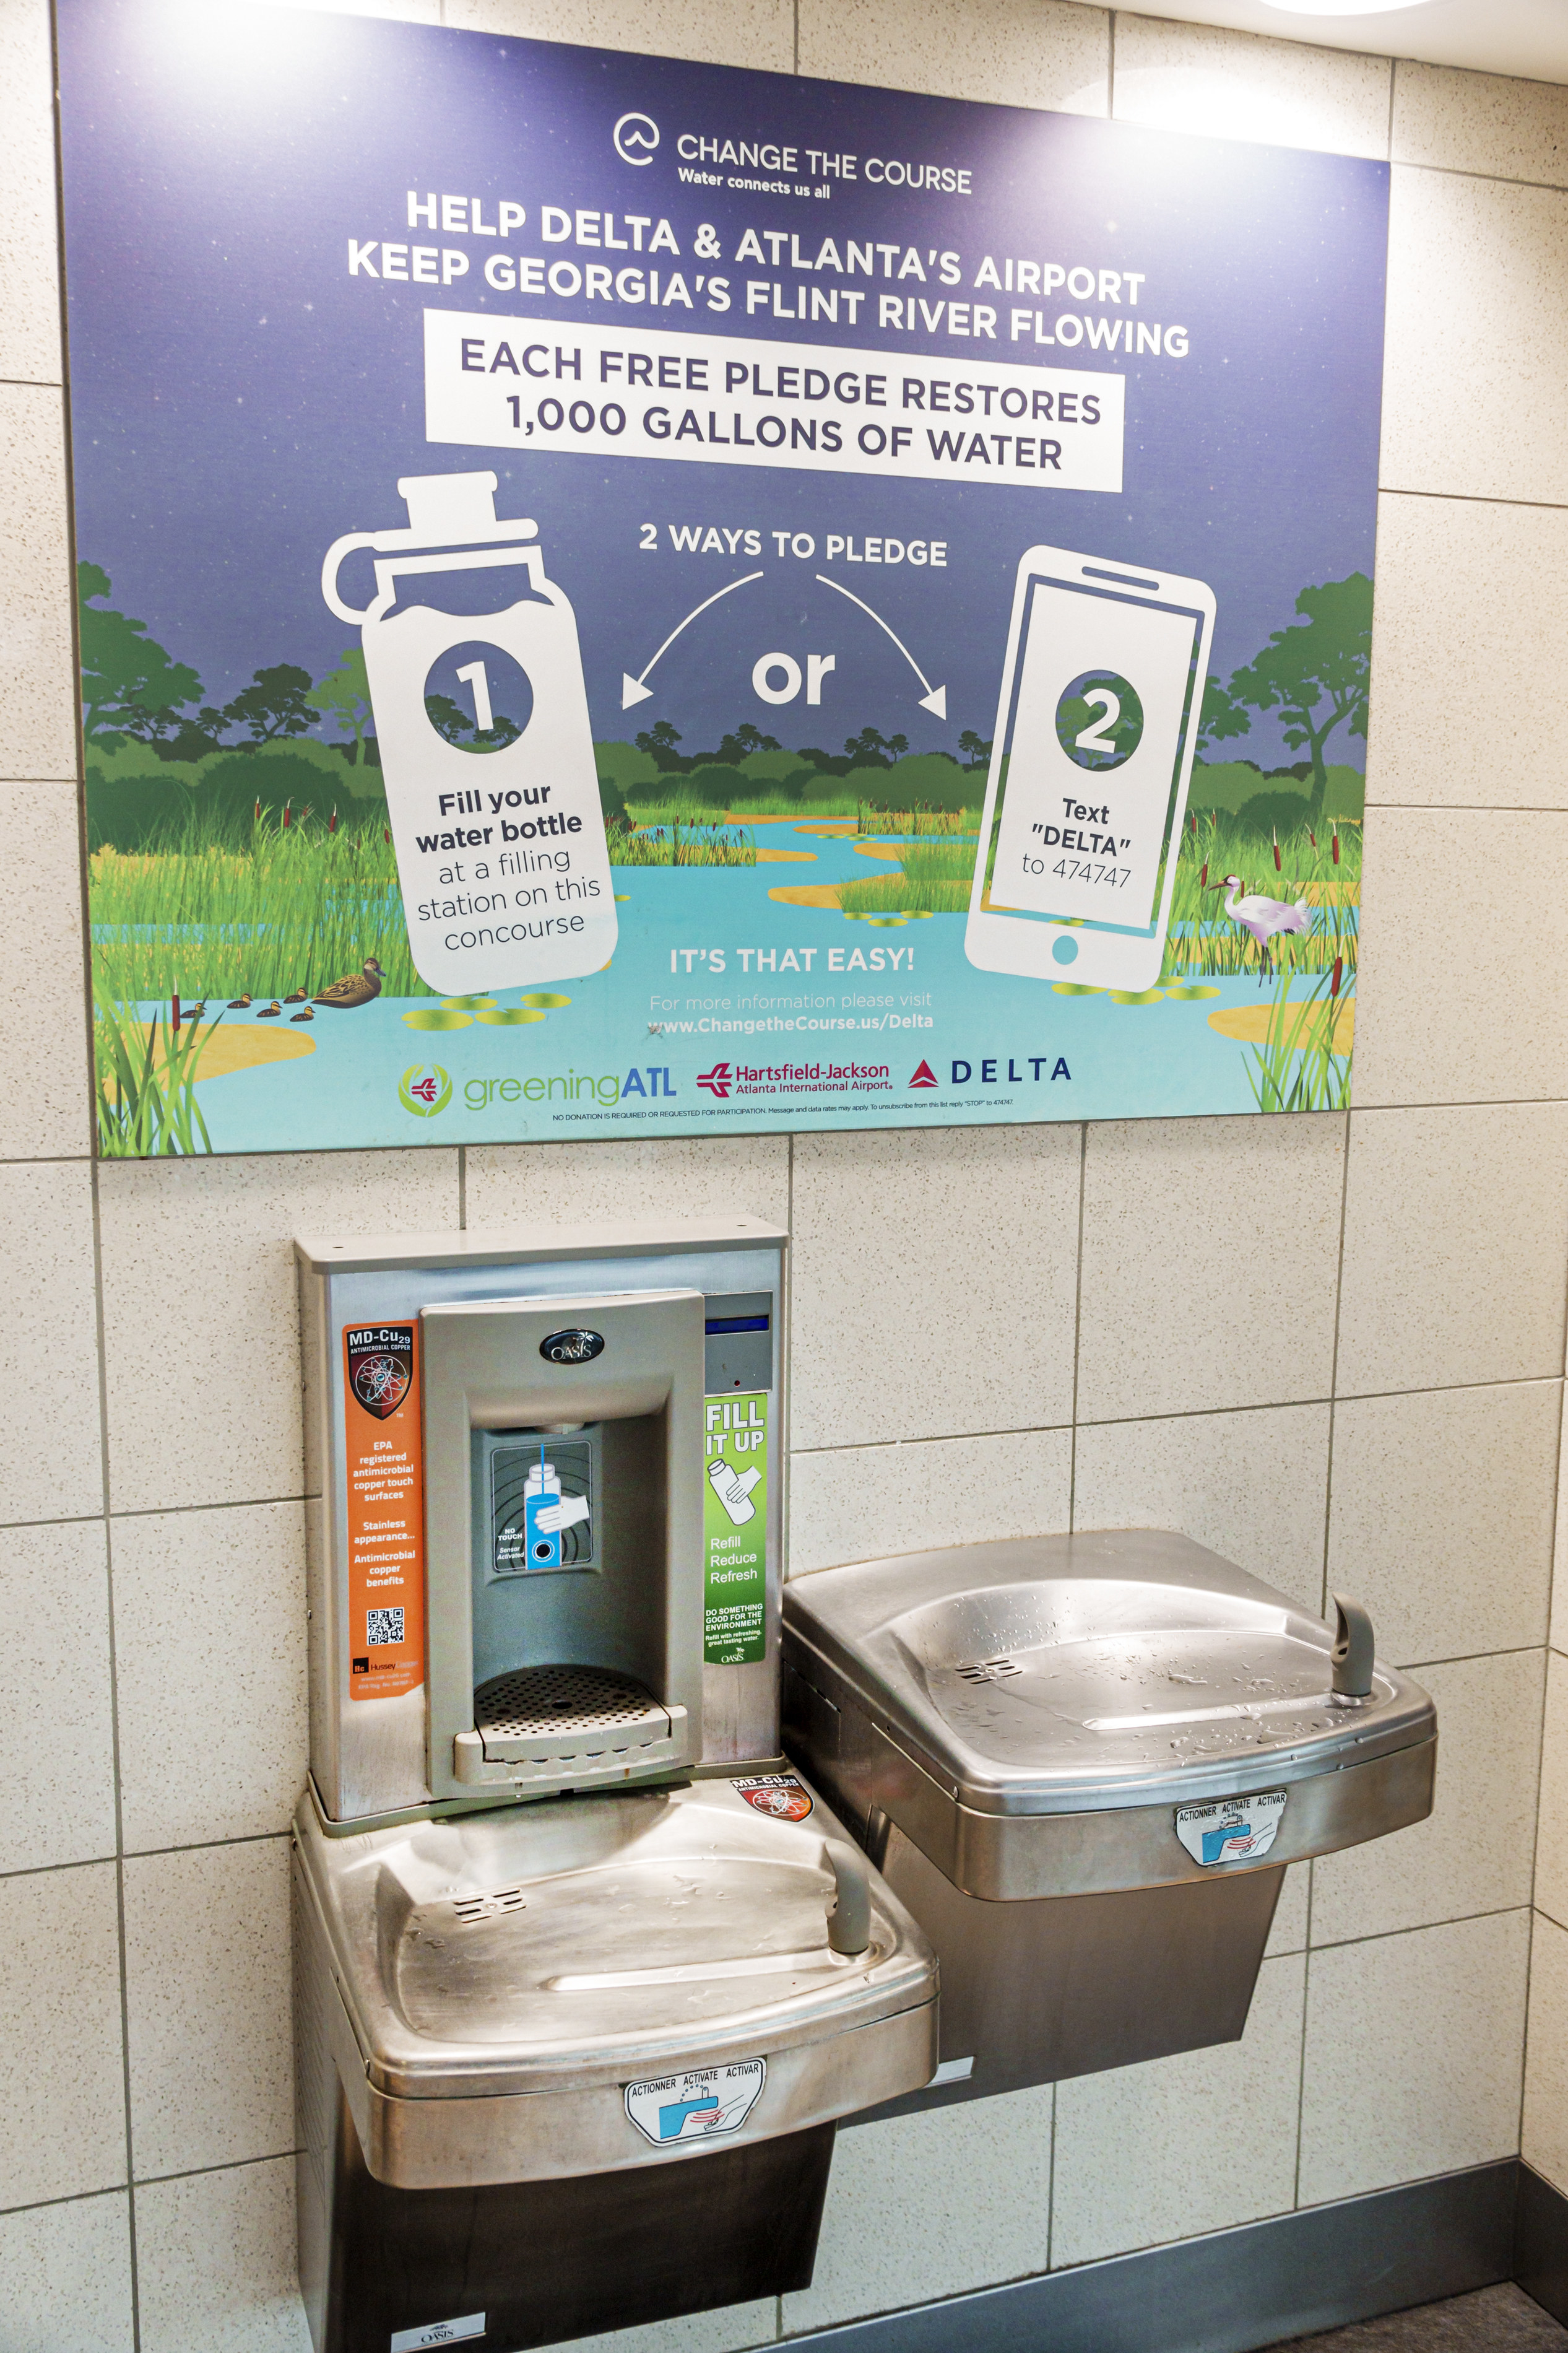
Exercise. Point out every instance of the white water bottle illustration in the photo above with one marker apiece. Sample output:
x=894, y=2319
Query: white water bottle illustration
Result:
x=733, y=1489
x=487, y=751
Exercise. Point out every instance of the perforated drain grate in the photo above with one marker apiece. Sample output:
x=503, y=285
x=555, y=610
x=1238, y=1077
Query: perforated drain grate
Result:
x=988, y=1670
x=536, y=1700
x=469, y=1909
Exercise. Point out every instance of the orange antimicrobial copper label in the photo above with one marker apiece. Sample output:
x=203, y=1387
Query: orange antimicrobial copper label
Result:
x=385, y=1469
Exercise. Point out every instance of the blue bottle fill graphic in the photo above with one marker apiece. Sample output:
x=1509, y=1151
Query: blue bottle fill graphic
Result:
x=541, y=1490
x=1216, y=1842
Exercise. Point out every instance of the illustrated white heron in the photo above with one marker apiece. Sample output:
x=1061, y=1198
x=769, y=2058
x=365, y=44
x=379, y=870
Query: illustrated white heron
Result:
x=1263, y=917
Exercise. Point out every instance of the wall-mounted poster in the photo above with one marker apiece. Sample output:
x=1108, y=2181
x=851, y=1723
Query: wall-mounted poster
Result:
x=625, y=597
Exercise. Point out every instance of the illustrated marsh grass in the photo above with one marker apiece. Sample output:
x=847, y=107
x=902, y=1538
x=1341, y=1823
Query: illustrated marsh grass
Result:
x=145, y=1084
x=931, y=879
x=209, y=913
x=679, y=843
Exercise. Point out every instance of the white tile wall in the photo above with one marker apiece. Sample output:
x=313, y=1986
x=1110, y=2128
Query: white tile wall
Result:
x=216, y=2263
x=67, y=2271
x=868, y=1308
x=1441, y=1521
x=1048, y=53
x=1468, y=593
x=722, y=32
x=1413, y=2056
x=43, y=1011
x=29, y=284
x=1423, y=1033
x=1181, y=2146
x=51, y=1461
x=37, y=720
x=1173, y=1251
x=1454, y=1229
x=204, y=1407
x=928, y=2206
x=1499, y=350
x=1544, y=2135
x=858, y=1503
x=209, y=1621
x=1251, y=1486
x=1552, y=1831
x=1476, y=1851
x=1225, y=85
x=1202, y=1336
x=678, y=1176
x=1489, y=123
x=54, y=1674
x=207, y=2004
x=62, y=2107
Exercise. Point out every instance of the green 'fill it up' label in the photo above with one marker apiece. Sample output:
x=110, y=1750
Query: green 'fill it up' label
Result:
x=735, y=1530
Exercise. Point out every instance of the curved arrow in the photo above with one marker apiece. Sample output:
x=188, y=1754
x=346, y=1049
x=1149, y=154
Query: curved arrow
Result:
x=632, y=688
x=936, y=697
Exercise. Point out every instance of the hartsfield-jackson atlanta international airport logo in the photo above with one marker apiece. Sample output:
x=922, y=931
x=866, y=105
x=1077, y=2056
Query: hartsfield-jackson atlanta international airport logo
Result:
x=425, y=1091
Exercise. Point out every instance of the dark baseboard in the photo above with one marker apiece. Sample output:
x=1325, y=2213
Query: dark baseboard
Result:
x=1540, y=2243
x=1237, y=2290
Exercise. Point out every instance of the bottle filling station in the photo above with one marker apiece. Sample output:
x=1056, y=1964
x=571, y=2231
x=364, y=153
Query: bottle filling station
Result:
x=584, y=1973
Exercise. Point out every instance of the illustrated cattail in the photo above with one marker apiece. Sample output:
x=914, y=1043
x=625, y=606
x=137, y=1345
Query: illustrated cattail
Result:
x=1336, y=975
x=1195, y=825
x=256, y=813
x=332, y=821
x=288, y=820
x=1335, y=845
x=1204, y=877
x=1312, y=836
x=386, y=833
x=1277, y=867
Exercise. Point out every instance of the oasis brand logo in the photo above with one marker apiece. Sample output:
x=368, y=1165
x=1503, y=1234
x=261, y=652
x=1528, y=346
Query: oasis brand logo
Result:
x=632, y=131
x=424, y=1092
x=573, y=1346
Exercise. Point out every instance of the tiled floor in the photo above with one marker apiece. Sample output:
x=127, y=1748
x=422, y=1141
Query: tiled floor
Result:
x=1492, y=2320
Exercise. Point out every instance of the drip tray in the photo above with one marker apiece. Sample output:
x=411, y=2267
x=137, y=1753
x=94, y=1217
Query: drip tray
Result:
x=556, y=1712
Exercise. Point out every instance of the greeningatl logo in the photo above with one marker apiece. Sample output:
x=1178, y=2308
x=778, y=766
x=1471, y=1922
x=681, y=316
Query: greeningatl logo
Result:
x=423, y=1090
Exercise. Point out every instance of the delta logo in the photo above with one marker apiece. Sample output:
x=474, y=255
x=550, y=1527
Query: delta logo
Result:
x=924, y=1077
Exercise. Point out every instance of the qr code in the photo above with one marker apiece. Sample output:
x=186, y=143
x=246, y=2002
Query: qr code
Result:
x=382, y=1626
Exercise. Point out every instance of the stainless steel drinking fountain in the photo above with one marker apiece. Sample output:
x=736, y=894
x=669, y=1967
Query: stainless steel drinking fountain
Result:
x=584, y=1973
x=1083, y=1763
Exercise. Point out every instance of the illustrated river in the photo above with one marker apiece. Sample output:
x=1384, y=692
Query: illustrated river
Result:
x=620, y=1051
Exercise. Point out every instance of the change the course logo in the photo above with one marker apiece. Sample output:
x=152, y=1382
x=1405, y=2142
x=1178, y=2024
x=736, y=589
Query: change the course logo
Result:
x=633, y=131
x=423, y=1090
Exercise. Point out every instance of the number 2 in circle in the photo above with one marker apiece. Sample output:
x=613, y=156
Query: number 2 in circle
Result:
x=1094, y=737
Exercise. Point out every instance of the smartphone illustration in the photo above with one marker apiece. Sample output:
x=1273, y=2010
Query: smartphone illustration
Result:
x=1096, y=730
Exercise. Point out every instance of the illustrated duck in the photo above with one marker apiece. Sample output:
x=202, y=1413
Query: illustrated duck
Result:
x=269, y=1012
x=355, y=988
x=306, y=1016
x=237, y=1004
x=296, y=997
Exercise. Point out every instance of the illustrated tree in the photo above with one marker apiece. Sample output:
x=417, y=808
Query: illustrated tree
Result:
x=659, y=742
x=1316, y=677
x=344, y=696
x=742, y=742
x=130, y=686
x=450, y=719
x=871, y=749
x=976, y=748
x=1221, y=718
x=274, y=706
